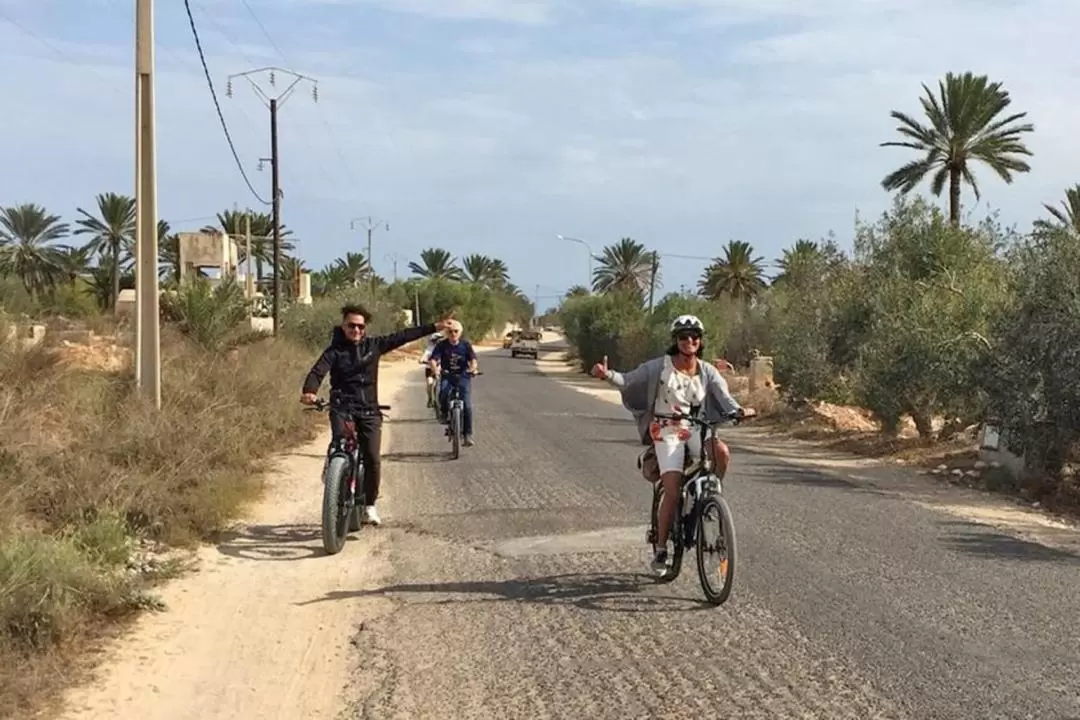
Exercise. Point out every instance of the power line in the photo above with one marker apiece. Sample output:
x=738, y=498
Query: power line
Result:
x=217, y=105
x=57, y=51
x=326, y=123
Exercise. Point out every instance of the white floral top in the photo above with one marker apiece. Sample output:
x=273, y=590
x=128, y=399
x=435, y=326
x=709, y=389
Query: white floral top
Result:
x=676, y=394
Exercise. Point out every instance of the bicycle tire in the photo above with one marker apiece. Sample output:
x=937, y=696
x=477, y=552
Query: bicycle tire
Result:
x=334, y=513
x=727, y=568
x=674, y=536
x=455, y=431
x=355, y=521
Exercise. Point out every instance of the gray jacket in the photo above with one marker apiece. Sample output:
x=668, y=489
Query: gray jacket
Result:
x=639, y=387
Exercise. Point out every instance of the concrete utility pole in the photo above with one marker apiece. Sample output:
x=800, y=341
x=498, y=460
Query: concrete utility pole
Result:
x=273, y=103
x=370, y=224
x=147, y=315
x=394, y=259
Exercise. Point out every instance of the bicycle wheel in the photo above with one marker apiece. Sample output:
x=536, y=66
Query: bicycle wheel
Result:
x=674, y=536
x=716, y=581
x=335, y=520
x=455, y=430
x=355, y=523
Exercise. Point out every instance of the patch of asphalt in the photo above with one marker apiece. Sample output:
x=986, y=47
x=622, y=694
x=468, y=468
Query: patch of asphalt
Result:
x=849, y=601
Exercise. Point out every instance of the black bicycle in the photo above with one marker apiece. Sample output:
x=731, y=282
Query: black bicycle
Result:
x=343, y=476
x=455, y=413
x=701, y=502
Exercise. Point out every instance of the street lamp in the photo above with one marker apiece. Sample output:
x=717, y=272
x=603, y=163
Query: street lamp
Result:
x=584, y=244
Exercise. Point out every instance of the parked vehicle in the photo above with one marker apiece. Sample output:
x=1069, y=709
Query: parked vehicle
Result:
x=527, y=343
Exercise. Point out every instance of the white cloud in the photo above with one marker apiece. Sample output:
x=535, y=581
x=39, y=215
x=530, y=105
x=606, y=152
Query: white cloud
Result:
x=525, y=12
x=765, y=129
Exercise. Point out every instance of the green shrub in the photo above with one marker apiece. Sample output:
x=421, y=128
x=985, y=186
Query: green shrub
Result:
x=208, y=314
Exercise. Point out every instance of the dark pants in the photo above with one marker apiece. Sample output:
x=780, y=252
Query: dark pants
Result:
x=464, y=382
x=368, y=440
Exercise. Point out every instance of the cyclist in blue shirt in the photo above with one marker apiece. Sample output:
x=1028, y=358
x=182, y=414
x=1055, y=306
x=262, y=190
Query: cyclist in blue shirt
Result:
x=455, y=358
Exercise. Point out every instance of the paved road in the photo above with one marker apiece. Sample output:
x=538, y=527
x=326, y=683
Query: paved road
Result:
x=519, y=587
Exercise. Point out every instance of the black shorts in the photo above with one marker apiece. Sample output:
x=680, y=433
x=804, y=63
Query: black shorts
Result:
x=428, y=372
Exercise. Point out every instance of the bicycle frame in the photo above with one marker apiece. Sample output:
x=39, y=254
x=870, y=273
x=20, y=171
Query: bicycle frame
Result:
x=699, y=480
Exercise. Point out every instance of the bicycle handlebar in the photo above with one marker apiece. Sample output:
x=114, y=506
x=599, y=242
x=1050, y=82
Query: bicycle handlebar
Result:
x=694, y=418
x=322, y=405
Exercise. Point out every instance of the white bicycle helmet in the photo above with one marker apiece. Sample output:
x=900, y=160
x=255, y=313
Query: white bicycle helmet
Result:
x=687, y=322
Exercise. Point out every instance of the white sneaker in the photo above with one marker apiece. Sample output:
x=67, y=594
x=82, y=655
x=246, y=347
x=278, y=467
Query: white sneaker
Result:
x=371, y=515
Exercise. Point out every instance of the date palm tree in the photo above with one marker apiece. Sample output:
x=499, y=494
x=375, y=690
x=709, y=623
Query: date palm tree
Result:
x=168, y=252
x=626, y=265
x=436, y=264
x=737, y=274
x=486, y=271
x=234, y=224
x=1067, y=219
x=113, y=234
x=966, y=123
x=28, y=249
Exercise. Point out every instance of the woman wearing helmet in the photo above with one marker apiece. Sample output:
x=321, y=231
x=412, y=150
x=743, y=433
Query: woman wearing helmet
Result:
x=673, y=384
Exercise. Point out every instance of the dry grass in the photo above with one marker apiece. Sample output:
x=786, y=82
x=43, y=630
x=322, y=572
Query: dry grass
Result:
x=86, y=467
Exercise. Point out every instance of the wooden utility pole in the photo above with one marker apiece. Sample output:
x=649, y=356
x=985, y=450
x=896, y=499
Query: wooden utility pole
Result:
x=652, y=278
x=274, y=102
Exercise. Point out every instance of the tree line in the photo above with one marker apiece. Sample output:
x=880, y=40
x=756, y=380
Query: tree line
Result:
x=950, y=321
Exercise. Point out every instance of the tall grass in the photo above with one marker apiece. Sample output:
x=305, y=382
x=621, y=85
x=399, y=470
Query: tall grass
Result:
x=85, y=467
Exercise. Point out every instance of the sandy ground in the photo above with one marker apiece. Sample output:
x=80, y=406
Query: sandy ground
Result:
x=980, y=507
x=239, y=638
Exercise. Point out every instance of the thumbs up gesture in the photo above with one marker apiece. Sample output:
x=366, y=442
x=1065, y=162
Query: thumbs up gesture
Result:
x=600, y=369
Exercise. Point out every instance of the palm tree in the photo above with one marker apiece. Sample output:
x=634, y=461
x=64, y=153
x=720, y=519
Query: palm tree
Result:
x=168, y=252
x=75, y=262
x=799, y=262
x=1068, y=219
x=737, y=274
x=626, y=265
x=291, y=267
x=436, y=264
x=28, y=234
x=234, y=224
x=577, y=291
x=113, y=234
x=965, y=125
x=486, y=271
x=354, y=266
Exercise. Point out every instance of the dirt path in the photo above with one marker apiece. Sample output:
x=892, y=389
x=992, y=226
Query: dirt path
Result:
x=239, y=638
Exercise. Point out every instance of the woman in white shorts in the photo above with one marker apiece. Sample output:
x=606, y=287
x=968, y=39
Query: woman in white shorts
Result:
x=669, y=385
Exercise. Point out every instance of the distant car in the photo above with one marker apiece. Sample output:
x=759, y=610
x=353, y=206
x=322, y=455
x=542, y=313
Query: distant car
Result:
x=509, y=339
x=527, y=343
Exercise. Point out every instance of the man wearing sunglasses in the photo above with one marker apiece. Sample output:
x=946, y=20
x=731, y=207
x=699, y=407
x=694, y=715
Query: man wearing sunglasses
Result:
x=352, y=360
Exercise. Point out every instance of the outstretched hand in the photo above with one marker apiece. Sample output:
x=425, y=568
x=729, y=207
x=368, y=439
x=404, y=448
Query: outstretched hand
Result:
x=442, y=322
x=600, y=369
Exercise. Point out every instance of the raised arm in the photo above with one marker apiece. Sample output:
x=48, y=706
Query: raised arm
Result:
x=386, y=343
x=616, y=378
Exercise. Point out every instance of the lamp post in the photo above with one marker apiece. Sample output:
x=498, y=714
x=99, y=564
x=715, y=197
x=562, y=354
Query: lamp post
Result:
x=584, y=244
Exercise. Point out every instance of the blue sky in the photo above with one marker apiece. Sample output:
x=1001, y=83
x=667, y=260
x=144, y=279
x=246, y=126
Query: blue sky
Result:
x=492, y=125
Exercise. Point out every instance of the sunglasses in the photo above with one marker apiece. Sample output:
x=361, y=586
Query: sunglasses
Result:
x=689, y=336
x=454, y=332
x=355, y=326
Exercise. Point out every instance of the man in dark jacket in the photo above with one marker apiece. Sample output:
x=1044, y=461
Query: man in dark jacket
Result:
x=352, y=360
